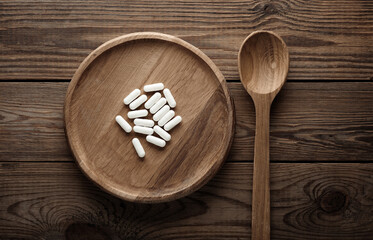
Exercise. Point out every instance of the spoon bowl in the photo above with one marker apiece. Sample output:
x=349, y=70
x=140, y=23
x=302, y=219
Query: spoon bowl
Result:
x=263, y=63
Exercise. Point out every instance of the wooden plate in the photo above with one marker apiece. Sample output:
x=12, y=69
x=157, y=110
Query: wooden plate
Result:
x=104, y=151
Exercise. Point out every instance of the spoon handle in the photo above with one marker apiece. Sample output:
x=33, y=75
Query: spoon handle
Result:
x=260, y=225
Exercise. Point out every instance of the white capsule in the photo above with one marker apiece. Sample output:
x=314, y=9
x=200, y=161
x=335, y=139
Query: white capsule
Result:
x=162, y=133
x=138, y=147
x=171, y=124
x=144, y=122
x=123, y=123
x=143, y=130
x=137, y=113
x=161, y=113
x=156, y=141
x=134, y=94
x=170, y=99
x=140, y=100
x=153, y=87
x=161, y=102
x=167, y=117
x=152, y=100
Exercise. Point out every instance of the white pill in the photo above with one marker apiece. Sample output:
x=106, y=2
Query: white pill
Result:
x=140, y=100
x=161, y=102
x=162, y=133
x=153, y=87
x=137, y=113
x=170, y=99
x=144, y=122
x=123, y=123
x=167, y=117
x=134, y=94
x=171, y=124
x=143, y=130
x=161, y=113
x=156, y=96
x=138, y=147
x=156, y=141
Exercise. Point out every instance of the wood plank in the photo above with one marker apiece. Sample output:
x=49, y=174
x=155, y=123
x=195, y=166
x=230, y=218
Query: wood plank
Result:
x=309, y=122
x=327, y=40
x=31, y=122
x=309, y=201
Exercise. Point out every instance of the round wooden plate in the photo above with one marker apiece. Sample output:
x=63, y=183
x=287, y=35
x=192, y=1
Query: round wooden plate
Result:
x=105, y=153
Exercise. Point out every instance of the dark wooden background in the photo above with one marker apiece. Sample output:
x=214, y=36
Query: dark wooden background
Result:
x=321, y=126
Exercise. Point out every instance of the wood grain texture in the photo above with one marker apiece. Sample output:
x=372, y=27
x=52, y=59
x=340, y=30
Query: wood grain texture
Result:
x=309, y=122
x=326, y=39
x=263, y=64
x=309, y=201
x=199, y=145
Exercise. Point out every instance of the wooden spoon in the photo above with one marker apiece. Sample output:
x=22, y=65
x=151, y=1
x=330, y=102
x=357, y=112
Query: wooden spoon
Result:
x=263, y=63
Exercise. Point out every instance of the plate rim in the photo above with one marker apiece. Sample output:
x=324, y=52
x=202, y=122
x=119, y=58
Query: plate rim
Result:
x=103, y=184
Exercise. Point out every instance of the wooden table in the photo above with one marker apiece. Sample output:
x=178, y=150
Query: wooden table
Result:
x=321, y=126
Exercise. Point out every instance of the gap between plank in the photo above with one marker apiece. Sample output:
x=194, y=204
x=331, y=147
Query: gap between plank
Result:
x=290, y=80
x=236, y=161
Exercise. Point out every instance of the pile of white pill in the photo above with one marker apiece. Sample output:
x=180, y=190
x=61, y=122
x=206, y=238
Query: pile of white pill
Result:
x=157, y=105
